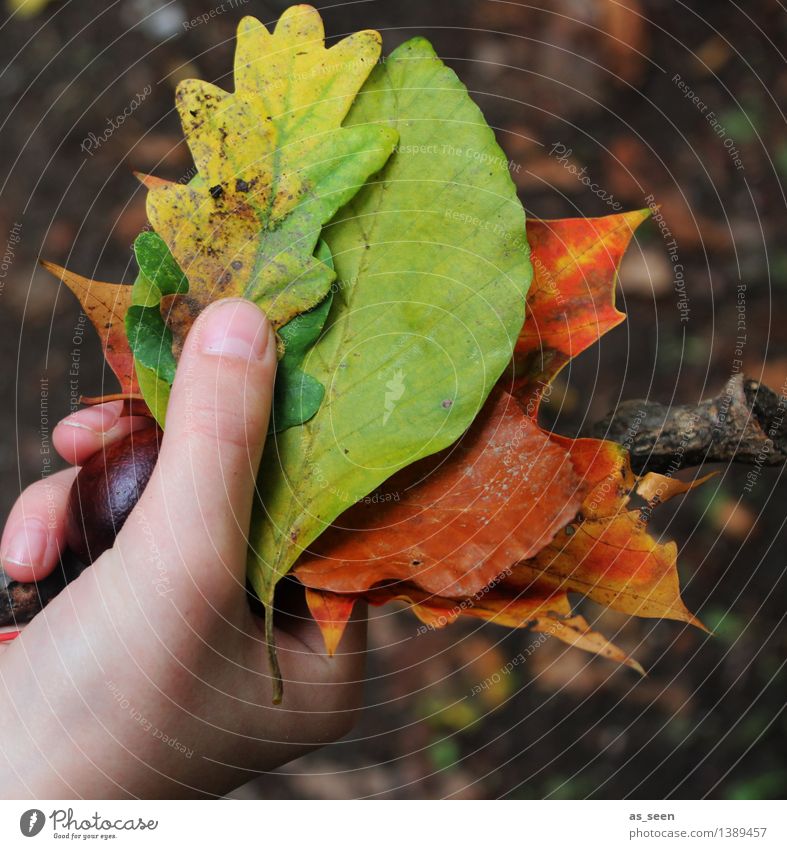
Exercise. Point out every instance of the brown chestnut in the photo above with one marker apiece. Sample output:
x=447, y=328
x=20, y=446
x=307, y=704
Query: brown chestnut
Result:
x=105, y=491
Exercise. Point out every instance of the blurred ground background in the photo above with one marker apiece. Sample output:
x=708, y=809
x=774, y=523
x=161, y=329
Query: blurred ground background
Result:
x=598, y=79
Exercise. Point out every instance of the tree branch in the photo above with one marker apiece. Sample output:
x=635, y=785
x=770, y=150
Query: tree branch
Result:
x=745, y=423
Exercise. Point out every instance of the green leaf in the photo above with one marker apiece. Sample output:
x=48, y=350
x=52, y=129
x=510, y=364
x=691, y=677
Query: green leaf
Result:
x=151, y=341
x=155, y=391
x=433, y=270
x=148, y=335
x=297, y=396
x=157, y=263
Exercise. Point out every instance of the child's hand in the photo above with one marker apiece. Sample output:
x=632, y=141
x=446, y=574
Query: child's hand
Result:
x=147, y=676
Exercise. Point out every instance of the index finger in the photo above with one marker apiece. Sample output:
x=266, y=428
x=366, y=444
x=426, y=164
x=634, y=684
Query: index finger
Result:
x=80, y=435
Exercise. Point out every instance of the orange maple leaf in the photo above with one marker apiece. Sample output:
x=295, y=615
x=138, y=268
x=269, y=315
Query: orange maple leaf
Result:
x=571, y=302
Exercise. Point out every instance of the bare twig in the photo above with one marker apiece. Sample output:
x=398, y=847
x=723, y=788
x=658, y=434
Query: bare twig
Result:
x=745, y=423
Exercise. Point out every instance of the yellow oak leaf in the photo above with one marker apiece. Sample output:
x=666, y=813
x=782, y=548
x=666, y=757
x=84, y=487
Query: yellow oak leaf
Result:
x=274, y=164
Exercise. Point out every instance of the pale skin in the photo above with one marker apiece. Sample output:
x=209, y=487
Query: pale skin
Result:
x=147, y=676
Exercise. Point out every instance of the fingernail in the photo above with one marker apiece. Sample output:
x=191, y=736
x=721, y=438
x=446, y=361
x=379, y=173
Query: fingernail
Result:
x=235, y=328
x=98, y=419
x=27, y=544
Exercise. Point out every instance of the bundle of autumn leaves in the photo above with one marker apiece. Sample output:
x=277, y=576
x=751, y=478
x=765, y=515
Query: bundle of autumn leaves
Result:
x=505, y=522
x=508, y=521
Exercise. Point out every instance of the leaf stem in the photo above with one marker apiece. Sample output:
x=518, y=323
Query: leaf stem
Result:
x=273, y=658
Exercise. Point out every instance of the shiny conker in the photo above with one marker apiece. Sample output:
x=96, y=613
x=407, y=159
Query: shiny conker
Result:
x=105, y=491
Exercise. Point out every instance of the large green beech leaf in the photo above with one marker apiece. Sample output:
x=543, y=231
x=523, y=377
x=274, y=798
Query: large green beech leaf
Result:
x=432, y=273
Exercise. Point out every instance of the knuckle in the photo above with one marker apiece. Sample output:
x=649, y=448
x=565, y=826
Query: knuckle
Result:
x=44, y=496
x=226, y=421
x=218, y=424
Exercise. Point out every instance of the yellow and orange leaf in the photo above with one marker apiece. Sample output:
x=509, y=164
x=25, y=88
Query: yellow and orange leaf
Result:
x=105, y=304
x=656, y=488
x=331, y=612
x=608, y=554
x=576, y=632
x=571, y=302
x=513, y=610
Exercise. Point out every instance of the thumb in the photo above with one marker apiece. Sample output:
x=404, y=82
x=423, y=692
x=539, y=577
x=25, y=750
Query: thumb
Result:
x=197, y=506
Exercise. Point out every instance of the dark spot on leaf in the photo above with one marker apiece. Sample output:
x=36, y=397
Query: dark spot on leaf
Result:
x=236, y=264
x=241, y=186
x=569, y=530
x=415, y=563
x=448, y=403
x=216, y=192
